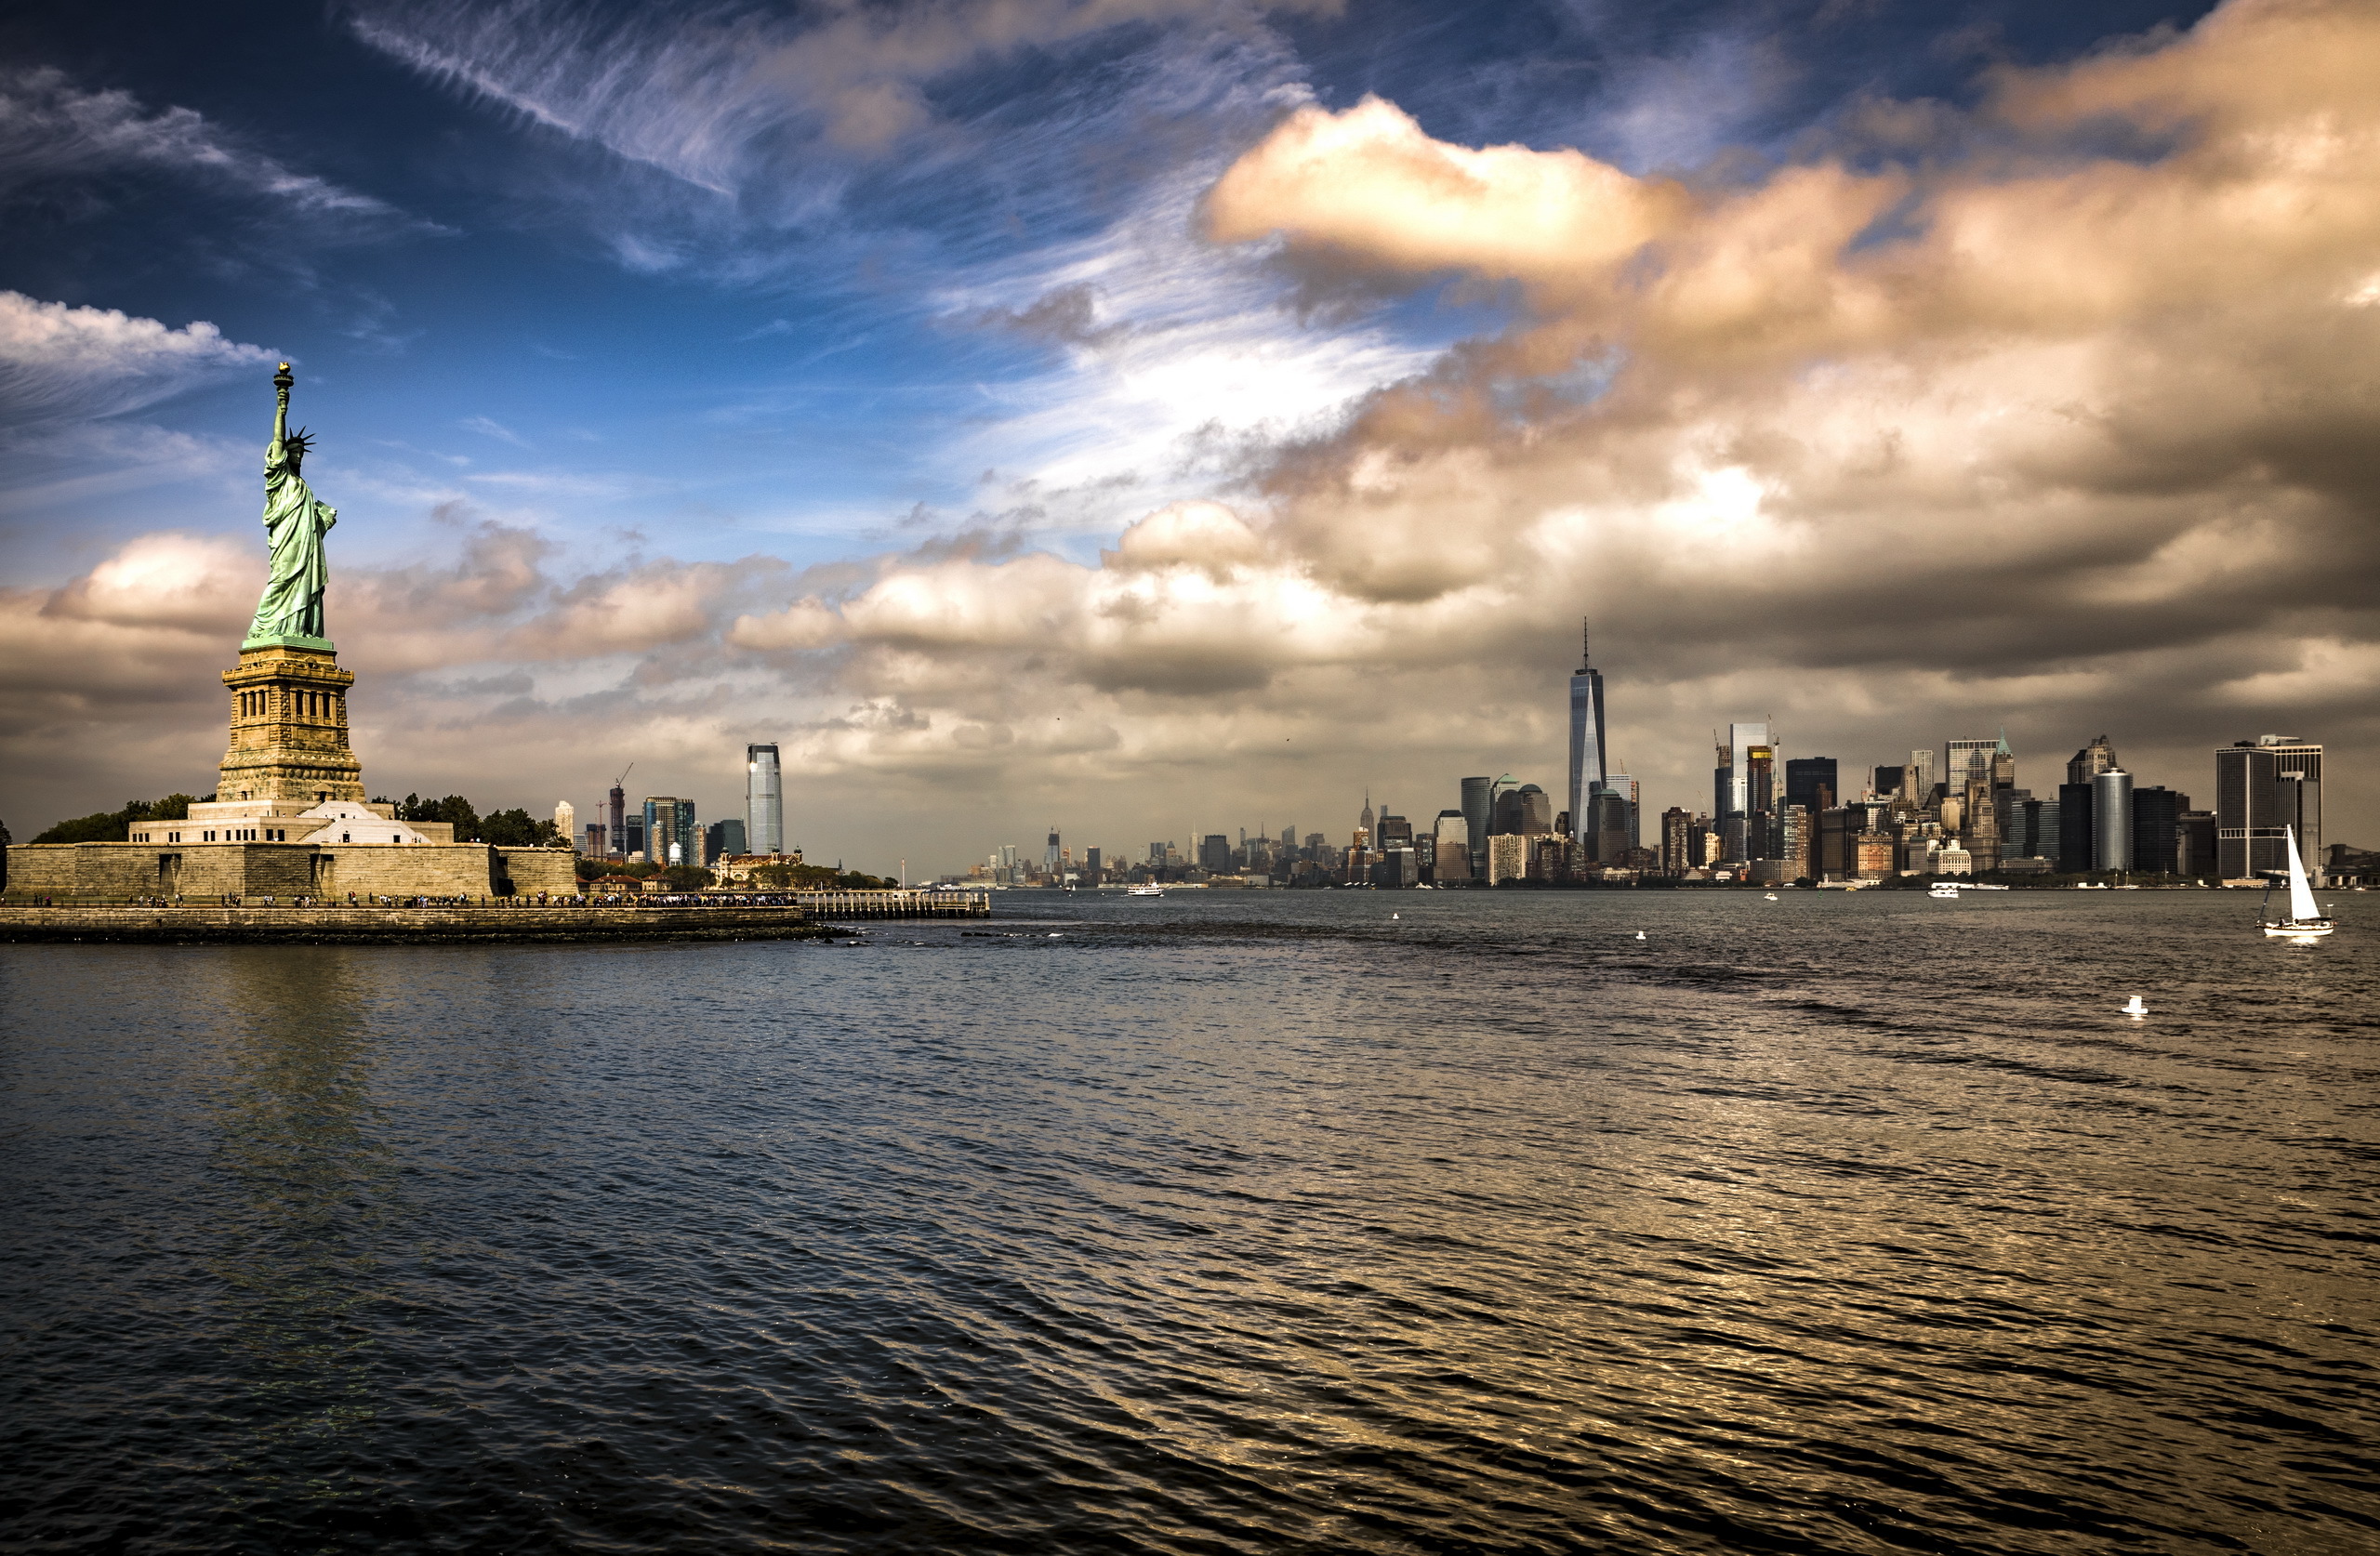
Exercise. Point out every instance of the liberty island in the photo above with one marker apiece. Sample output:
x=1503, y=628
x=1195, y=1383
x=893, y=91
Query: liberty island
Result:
x=288, y=818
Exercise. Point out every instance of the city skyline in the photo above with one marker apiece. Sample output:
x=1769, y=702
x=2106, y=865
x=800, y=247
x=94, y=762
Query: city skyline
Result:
x=1114, y=412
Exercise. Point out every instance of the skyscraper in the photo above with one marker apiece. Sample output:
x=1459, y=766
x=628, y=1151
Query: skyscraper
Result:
x=1744, y=740
x=1588, y=752
x=2262, y=786
x=1966, y=762
x=1476, y=805
x=763, y=801
x=2111, y=820
x=2090, y=761
x=619, y=820
x=1050, y=853
x=2074, y=829
x=1452, y=855
x=2156, y=828
x=1811, y=781
x=566, y=821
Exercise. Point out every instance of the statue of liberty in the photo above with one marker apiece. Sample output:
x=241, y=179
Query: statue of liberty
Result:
x=295, y=522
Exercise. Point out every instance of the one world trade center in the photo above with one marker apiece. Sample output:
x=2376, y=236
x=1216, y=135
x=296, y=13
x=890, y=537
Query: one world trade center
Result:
x=1587, y=750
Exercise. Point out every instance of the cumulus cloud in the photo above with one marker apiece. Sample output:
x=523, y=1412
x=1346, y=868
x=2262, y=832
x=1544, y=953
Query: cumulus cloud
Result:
x=2024, y=430
x=57, y=361
x=1891, y=444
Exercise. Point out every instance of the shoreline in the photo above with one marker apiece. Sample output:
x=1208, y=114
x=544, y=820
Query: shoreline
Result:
x=191, y=924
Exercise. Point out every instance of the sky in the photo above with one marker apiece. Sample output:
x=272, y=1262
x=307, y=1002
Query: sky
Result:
x=1152, y=417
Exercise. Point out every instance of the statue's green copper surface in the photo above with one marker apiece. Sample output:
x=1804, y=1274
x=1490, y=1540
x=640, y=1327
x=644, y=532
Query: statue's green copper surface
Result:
x=294, y=523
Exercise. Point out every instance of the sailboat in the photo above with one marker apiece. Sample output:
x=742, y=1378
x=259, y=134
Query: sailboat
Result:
x=2305, y=920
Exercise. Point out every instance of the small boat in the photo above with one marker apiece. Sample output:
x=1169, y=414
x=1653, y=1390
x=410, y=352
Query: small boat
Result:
x=1944, y=892
x=1144, y=891
x=1770, y=898
x=2137, y=1008
x=1640, y=935
x=2305, y=921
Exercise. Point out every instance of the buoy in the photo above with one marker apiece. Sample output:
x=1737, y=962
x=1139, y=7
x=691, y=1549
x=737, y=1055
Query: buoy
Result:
x=1640, y=935
x=2135, y=1008
x=1397, y=916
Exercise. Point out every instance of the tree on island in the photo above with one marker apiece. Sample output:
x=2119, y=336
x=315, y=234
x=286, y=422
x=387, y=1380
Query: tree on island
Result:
x=505, y=829
x=116, y=827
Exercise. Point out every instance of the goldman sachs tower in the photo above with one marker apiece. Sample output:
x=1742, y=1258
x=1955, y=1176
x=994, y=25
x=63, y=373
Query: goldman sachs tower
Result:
x=1587, y=748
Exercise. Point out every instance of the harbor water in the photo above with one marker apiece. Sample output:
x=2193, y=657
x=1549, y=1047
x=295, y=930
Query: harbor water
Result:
x=1219, y=1222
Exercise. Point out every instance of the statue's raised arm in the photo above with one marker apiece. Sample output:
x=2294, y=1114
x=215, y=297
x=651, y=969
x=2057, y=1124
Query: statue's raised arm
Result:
x=291, y=609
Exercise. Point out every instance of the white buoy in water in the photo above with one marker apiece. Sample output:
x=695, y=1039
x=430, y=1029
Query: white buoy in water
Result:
x=2137, y=1008
x=1397, y=916
x=1640, y=935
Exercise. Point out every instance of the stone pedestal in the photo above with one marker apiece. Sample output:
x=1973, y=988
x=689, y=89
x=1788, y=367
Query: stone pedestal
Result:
x=288, y=728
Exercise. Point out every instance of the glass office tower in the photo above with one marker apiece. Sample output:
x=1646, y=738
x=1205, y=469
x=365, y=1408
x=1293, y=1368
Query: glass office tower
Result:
x=763, y=801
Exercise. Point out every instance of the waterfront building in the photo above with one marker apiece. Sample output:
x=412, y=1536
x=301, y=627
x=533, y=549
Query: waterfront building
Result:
x=764, y=800
x=1630, y=826
x=2076, y=849
x=1875, y=855
x=1451, y=838
x=1507, y=858
x=1795, y=842
x=1677, y=841
x=2194, y=843
x=1606, y=832
x=1588, y=749
x=598, y=842
x=566, y=821
x=1214, y=854
x=1393, y=832
x=1952, y=859
x=2157, y=830
x=1838, y=829
x=2111, y=820
x=2261, y=787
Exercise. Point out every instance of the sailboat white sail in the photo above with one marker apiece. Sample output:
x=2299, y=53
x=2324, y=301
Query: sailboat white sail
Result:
x=2305, y=920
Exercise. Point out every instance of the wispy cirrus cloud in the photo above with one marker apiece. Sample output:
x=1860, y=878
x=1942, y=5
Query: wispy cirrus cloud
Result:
x=52, y=129
x=718, y=96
